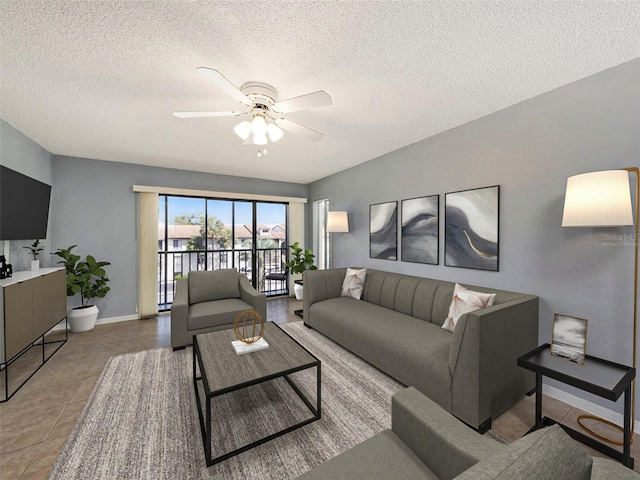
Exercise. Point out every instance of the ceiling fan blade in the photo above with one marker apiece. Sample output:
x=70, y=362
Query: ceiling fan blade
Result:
x=205, y=114
x=225, y=85
x=303, y=102
x=298, y=129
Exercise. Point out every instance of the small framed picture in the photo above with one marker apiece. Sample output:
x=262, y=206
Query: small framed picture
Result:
x=569, y=338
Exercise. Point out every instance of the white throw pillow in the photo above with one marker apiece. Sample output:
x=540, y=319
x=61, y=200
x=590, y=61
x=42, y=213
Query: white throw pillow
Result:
x=354, y=282
x=465, y=301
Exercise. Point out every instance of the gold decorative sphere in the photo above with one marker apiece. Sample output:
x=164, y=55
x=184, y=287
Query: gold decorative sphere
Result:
x=248, y=326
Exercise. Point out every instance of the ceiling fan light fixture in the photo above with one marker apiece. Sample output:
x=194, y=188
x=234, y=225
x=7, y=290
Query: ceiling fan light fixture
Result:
x=266, y=112
x=275, y=132
x=243, y=129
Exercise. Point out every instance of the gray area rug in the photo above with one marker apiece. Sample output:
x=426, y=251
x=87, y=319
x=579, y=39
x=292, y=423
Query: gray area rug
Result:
x=141, y=421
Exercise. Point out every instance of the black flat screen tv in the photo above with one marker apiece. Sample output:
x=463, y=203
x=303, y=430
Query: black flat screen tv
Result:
x=24, y=206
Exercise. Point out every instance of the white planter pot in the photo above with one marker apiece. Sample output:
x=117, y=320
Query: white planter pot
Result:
x=82, y=319
x=35, y=265
x=297, y=289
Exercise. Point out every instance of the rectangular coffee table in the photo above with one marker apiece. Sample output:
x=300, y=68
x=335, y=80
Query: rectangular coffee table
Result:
x=222, y=371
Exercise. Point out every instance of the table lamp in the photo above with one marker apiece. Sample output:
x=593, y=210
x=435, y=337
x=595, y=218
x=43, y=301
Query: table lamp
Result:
x=603, y=199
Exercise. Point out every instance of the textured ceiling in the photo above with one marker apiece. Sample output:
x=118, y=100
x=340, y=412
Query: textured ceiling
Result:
x=101, y=79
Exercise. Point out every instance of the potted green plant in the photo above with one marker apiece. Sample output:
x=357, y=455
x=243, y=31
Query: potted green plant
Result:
x=301, y=260
x=34, y=249
x=88, y=278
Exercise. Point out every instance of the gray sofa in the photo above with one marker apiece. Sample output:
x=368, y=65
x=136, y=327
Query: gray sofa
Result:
x=426, y=442
x=396, y=327
x=206, y=301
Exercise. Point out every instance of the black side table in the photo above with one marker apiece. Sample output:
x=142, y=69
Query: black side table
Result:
x=603, y=378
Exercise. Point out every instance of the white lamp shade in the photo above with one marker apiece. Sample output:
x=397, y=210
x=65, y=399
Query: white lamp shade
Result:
x=259, y=126
x=275, y=133
x=260, y=139
x=243, y=129
x=598, y=199
x=337, y=222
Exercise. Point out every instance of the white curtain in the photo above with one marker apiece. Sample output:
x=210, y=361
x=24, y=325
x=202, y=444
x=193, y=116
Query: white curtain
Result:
x=148, y=254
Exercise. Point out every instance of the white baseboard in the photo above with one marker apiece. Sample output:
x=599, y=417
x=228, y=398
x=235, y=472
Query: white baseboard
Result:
x=586, y=405
x=123, y=318
x=103, y=321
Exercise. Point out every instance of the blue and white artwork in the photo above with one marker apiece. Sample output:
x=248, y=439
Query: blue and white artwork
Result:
x=569, y=338
x=419, y=242
x=471, y=228
x=383, y=231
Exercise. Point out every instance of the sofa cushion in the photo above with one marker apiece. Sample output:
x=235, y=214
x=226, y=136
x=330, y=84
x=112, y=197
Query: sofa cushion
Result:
x=545, y=454
x=216, y=313
x=424, y=299
x=411, y=350
x=213, y=285
x=354, y=282
x=381, y=456
x=465, y=301
x=410, y=295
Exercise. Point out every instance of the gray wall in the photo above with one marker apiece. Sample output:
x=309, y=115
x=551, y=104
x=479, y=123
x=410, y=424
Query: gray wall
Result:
x=20, y=153
x=529, y=150
x=95, y=208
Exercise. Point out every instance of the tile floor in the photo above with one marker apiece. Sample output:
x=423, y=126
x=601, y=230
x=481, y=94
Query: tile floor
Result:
x=34, y=424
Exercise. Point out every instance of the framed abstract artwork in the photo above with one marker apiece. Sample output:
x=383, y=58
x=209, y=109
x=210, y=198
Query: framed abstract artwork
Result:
x=471, y=228
x=419, y=230
x=569, y=338
x=383, y=231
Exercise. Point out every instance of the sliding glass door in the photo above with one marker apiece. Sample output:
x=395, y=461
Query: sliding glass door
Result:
x=196, y=233
x=271, y=247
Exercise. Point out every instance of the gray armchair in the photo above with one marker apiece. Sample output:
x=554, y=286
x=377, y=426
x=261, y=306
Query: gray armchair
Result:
x=211, y=300
x=426, y=442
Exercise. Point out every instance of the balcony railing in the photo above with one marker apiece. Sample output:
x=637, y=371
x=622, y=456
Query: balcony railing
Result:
x=178, y=264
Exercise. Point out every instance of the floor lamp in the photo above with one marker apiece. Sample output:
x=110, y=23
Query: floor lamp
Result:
x=603, y=199
x=337, y=222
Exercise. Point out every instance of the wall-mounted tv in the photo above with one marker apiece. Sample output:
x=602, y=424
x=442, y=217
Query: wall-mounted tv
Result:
x=24, y=206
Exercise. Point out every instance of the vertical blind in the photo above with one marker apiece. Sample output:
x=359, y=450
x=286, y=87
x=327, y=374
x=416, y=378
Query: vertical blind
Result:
x=296, y=231
x=148, y=254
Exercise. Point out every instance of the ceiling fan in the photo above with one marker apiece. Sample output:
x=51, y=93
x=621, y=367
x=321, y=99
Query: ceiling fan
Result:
x=267, y=114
